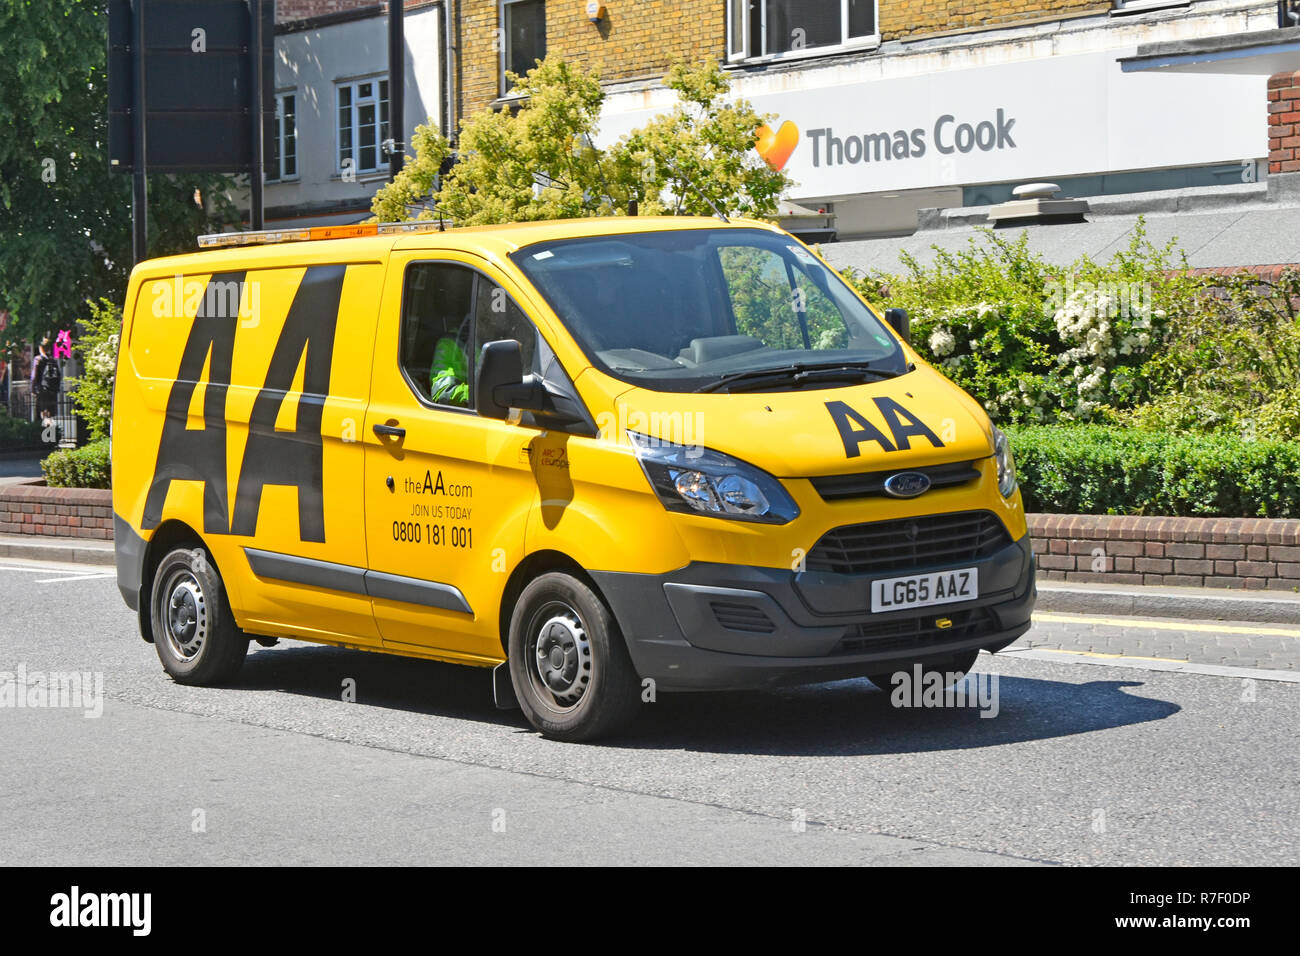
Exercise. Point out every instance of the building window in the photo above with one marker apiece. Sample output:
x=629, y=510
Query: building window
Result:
x=363, y=125
x=523, y=37
x=766, y=29
x=1135, y=6
x=284, y=145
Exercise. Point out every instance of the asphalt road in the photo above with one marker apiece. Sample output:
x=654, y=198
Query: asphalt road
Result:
x=1090, y=759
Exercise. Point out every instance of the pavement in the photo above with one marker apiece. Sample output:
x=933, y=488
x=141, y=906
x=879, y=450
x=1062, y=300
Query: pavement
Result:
x=16, y=468
x=42, y=547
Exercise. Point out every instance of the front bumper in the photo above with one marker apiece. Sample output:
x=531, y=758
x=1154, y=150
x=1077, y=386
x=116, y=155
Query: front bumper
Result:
x=730, y=627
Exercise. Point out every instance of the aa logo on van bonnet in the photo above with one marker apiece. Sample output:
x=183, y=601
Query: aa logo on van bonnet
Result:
x=855, y=429
x=270, y=457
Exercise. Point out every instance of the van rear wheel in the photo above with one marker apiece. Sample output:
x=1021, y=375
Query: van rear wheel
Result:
x=954, y=668
x=569, y=666
x=193, y=628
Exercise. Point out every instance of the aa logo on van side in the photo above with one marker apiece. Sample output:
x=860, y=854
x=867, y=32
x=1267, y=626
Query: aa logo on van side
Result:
x=270, y=457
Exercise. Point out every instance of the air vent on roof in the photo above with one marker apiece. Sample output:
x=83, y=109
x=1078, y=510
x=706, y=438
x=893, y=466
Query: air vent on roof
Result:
x=1034, y=205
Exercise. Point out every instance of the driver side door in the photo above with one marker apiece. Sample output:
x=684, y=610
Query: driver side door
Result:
x=447, y=491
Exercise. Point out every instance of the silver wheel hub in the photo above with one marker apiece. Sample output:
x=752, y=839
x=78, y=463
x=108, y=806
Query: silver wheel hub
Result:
x=185, y=616
x=563, y=657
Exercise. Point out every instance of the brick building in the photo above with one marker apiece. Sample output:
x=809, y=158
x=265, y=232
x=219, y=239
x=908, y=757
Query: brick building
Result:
x=887, y=107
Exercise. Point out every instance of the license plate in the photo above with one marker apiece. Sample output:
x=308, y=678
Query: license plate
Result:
x=923, y=590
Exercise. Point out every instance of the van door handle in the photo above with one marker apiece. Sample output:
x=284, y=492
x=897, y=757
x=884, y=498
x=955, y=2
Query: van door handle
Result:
x=389, y=430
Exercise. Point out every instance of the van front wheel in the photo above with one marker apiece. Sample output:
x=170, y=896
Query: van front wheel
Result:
x=570, y=668
x=194, y=630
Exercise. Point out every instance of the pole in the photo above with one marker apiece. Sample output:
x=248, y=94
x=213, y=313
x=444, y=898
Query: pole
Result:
x=396, y=85
x=139, y=183
x=257, y=198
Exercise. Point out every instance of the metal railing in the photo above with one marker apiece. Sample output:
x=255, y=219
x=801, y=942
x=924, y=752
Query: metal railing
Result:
x=68, y=429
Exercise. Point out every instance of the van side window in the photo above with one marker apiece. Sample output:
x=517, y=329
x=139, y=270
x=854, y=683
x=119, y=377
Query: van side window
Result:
x=497, y=317
x=449, y=312
x=437, y=331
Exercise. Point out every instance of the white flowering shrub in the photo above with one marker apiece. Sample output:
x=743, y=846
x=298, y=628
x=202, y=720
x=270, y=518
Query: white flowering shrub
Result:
x=1233, y=363
x=1106, y=334
x=1034, y=342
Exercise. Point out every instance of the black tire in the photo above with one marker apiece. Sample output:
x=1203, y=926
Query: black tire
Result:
x=959, y=664
x=193, y=628
x=569, y=666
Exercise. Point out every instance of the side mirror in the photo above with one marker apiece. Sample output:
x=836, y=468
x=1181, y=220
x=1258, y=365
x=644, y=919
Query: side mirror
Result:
x=900, y=323
x=501, y=384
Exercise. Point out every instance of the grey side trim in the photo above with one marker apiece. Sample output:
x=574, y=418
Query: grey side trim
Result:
x=319, y=574
x=128, y=555
x=354, y=580
x=395, y=587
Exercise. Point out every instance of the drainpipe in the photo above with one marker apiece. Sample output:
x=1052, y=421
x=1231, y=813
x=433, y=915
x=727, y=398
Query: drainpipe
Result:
x=450, y=124
x=396, y=86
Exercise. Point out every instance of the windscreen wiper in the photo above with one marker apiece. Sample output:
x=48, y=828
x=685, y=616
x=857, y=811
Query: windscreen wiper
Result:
x=797, y=374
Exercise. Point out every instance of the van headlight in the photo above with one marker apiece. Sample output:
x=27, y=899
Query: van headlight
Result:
x=701, y=481
x=1006, y=463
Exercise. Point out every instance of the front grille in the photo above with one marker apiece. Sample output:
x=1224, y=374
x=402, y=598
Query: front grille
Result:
x=917, y=632
x=742, y=617
x=905, y=544
x=871, y=484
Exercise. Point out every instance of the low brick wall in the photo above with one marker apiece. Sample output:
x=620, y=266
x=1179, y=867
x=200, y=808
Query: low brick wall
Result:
x=1190, y=552
x=67, y=512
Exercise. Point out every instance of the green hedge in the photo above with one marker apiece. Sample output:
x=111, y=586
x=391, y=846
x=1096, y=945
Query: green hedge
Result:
x=1097, y=469
x=18, y=434
x=85, y=467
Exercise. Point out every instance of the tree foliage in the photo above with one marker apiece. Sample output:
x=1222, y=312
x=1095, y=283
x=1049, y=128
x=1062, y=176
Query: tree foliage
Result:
x=1037, y=342
x=65, y=220
x=541, y=160
x=93, y=392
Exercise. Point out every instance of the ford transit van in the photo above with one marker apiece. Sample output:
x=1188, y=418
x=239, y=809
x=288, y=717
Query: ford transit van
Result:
x=609, y=458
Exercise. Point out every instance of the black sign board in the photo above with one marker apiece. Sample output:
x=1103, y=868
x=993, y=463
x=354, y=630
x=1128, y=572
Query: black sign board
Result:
x=200, y=84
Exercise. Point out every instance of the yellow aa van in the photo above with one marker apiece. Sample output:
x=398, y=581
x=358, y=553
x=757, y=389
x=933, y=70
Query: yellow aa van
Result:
x=609, y=458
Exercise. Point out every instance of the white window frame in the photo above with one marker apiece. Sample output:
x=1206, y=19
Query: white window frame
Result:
x=280, y=139
x=380, y=81
x=1120, y=7
x=503, y=43
x=746, y=55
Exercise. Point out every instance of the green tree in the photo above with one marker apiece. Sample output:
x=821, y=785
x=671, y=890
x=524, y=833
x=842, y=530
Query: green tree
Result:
x=700, y=155
x=540, y=161
x=65, y=220
x=93, y=392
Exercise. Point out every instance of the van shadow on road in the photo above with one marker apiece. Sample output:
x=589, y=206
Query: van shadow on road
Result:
x=853, y=718
x=847, y=718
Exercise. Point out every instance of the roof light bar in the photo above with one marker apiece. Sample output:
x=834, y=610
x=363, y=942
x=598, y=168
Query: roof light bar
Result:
x=220, y=240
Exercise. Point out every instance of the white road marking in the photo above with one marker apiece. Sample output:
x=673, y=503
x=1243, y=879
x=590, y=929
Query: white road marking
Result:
x=1153, y=664
x=56, y=567
x=76, y=577
x=68, y=572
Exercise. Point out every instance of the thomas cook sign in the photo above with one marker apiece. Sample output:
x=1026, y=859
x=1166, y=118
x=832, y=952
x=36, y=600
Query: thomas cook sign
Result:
x=946, y=135
x=881, y=124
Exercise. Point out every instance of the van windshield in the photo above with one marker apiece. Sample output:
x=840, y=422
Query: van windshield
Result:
x=711, y=310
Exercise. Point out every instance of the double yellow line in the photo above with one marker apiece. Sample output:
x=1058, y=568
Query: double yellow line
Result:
x=1165, y=625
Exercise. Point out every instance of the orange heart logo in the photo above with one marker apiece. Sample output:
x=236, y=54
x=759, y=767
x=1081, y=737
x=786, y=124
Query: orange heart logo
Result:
x=776, y=147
